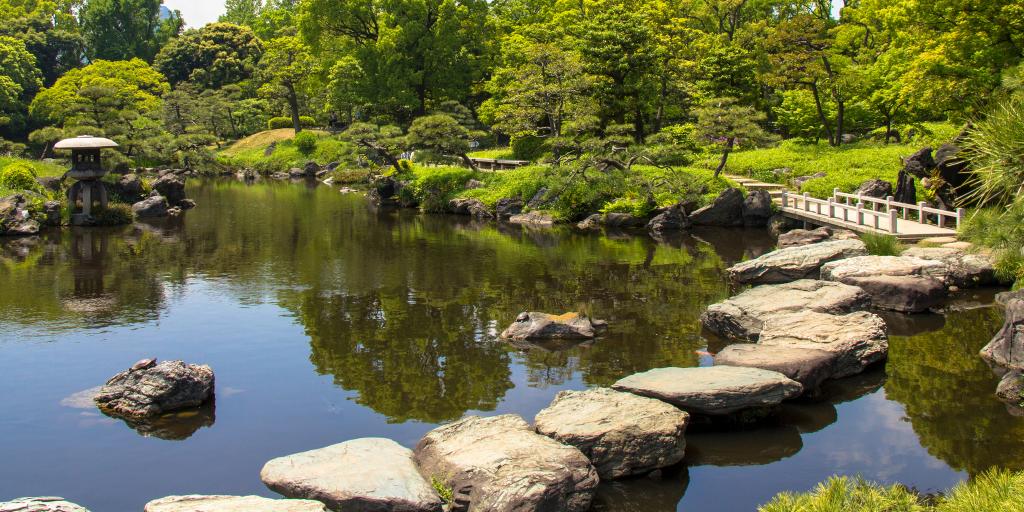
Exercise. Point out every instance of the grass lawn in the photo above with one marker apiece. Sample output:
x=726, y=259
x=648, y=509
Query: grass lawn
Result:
x=495, y=153
x=249, y=151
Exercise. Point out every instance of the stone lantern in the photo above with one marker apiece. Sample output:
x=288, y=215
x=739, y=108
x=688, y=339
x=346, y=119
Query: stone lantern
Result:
x=87, y=170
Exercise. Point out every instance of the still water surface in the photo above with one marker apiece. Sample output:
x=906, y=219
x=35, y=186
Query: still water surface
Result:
x=327, y=320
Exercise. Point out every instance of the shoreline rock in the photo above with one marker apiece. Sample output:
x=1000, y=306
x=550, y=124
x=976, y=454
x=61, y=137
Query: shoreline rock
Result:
x=219, y=503
x=899, y=283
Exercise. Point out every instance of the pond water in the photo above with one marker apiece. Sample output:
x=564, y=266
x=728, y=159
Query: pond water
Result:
x=327, y=320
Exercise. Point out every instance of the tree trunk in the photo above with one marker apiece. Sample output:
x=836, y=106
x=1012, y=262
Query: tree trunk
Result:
x=821, y=112
x=840, y=117
x=725, y=155
x=888, y=128
x=293, y=104
x=638, y=120
x=469, y=162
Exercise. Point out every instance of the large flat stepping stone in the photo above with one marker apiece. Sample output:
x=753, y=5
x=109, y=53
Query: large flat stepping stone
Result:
x=899, y=283
x=869, y=266
x=621, y=433
x=713, y=391
x=742, y=317
x=965, y=269
x=41, y=504
x=198, y=503
x=793, y=263
x=809, y=367
x=362, y=475
x=500, y=464
x=858, y=340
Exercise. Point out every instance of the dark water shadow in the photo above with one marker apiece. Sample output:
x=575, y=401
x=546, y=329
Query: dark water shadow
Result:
x=736, y=244
x=174, y=426
x=763, y=445
x=660, y=491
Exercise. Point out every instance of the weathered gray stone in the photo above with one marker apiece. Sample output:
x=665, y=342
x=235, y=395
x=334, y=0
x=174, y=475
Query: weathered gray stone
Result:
x=757, y=208
x=15, y=217
x=623, y=220
x=800, y=237
x=621, y=433
x=473, y=207
x=726, y=210
x=41, y=504
x=198, y=503
x=592, y=222
x=1006, y=349
x=532, y=325
x=899, y=283
x=150, y=207
x=506, y=208
x=172, y=187
x=965, y=269
x=1011, y=388
x=714, y=390
x=156, y=389
x=499, y=464
x=534, y=218
x=809, y=367
x=858, y=339
x=742, y=316
x=362, y=475
x=875, y=188
x=673, y=218
x=867, y=266
x=792, y=263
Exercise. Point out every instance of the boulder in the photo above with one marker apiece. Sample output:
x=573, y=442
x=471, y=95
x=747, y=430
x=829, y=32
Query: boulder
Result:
x=713, y=390
x=952, y=167
x=16, y=218
x=129, y=188
x=197, y=503
x=499, y=464
x=857, y=340
x=539, y=199
x=591, y=223
x=757, y=208
x=792, y=263
x=799, y=181
x=187, y=204
x=473, y=184
x=1006, y=350
x=920, y=163
x=472, y=207
x=906, y=191
x=362, y=475
x=148, y=389
x=150, y=207
x=742, y=317
x=875, y=188
x=726, y=210
x=41, y=504
x=965, y=269
x=296, y=172
x=533, y=218
x=623, y=220
x=506, y=208
x=800, y=237
x=809, y=367
x=542, y=326
x=899, y=283
x=172, y=187
x=673, y=218
x=311, y=169
x=50, y=183
x=51, y=213
x=1010, y=389
x=866, y=266
x=621, y=433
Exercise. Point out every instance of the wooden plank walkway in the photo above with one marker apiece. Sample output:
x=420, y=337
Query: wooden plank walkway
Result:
x=861, y=214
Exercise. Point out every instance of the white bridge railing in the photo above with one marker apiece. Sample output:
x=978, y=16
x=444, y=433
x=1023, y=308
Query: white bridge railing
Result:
x=881, y=214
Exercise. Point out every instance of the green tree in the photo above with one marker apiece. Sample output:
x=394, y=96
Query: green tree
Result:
x=50, y=31
x=126, y=29
x=377, y=142
x=213, y=56
x=441, y=135
x=284, y=70
x=724, y=123
x=242, y=12
x=20, y=79
x=132, y=85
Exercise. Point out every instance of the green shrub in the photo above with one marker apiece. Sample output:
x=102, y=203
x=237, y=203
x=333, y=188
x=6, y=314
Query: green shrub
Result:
x=276, y=123
x=305, y=142
x=631, y=204
x=882, y=245
x=433, y=187
x=350, y=176
x=1001, y=230
x=115, y=214
x=529, y=147
x=18, y=176
x=994, y=490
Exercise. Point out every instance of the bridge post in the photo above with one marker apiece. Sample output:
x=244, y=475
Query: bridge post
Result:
x=835, y=192
x=960, y=212
x=860, y=213
x=785, y=196
x=831, y=207
x=892, y=221
x=807, y=204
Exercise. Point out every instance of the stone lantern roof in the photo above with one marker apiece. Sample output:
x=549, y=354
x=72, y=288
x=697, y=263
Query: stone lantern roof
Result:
x=85, y=142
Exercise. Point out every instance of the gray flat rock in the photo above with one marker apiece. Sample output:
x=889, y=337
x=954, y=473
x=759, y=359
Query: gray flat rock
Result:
x=809, y=367
x=198, y=503
x=362, y=475
x=742, y=317
x=621, y=433
x=965, y=269
x=499, y=464
x=715, y=390
x=857, y=339
x=41, y=504
x=793, y=263
x=871, y=266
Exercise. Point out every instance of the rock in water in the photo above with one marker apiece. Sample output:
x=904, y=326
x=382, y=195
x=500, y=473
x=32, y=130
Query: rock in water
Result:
x=857, y=340
x=622, y=434
x=43, y=504
x=156, y=389
x=809, y=367
x=715, y=390
x=172, y=187
x=197, y=503
x=1006, y=349
x=742, y=317
x=538, y=326
x=757, y=208
x=792, y=263
x=866, y=266
x=800, y=237
x=499, y=464
x=965, y=269
x=671, y=219
x=506, y=208
x=362, y=475
x=726, y=210
x=1011, y=388
x=150, y=207
x=533, y=218
x=899, y=283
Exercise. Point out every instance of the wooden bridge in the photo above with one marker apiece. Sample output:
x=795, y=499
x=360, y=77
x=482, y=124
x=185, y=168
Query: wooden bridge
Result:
x=497, y=164
x=862, y=214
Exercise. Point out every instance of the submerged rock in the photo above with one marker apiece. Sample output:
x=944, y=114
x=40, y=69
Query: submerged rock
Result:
x=809, y=367
x=499, y=464
x=1006, y=350
x=536, y=326
x=899, y=283
x=792, y=263
x=857, y=340
x=506, y=208
x=199, y=503
x=41, y=504
x=742, y=316
x=150, y=207
x=362, y=475
x=715, y=390
x=726, y=210
x=155, y=389
x=672, y=219
x=621, y=433
x=534, y=218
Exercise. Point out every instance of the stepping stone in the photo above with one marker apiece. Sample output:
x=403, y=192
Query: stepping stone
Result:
x=713, y=391
x=857, y=340
x=965, y=269
x=898, y=283
x=938, y=240
x=41, y=504
x=742, y=317
x=362, y=475
x=499, y=464
x=809, y=367
x=793, y=263
x=197, y=503
x=621, y=433
x=869, y=266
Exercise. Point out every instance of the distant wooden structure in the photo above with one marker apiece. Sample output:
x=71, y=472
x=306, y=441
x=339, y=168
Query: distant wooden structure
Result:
x=497, y=164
